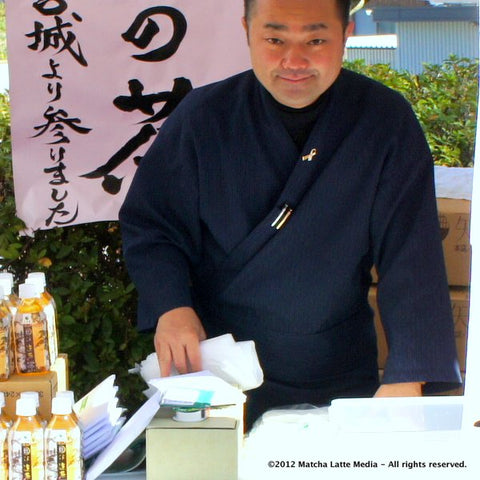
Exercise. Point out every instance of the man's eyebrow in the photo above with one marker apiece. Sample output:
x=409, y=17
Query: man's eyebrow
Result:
x=308, y=28
x=314, y=27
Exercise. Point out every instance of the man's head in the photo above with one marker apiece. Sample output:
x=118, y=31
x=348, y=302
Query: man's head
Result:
x=343, y=9
x=297, y=46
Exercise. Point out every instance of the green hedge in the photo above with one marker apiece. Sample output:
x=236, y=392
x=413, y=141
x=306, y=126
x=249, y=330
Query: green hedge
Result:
x=444, y=98
x=84, y=266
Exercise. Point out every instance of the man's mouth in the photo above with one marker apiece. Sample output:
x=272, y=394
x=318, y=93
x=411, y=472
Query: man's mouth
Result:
x=295, y=78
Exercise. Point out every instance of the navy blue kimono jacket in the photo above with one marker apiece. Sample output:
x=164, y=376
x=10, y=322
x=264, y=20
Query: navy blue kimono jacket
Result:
x=197, y=231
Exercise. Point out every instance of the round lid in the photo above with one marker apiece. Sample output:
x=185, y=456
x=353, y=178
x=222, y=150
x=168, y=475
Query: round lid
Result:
x=25, y=407
x=28, y=290
x=61, y=406
x=190, y=415
x=33, y=395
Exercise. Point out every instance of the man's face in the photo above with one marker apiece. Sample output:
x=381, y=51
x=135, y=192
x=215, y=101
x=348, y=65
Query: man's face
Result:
x=296, y=47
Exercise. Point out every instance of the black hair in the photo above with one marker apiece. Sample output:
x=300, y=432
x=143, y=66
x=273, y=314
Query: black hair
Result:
x=343, y=7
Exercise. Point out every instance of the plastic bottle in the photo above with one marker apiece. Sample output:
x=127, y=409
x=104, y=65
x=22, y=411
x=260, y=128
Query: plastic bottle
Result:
x=3, y=416
x=5, y=345
x=25, y=444
x=63, y=443
x=11, y=299
x=5, y=424
x=38, y=278
x=30, y=332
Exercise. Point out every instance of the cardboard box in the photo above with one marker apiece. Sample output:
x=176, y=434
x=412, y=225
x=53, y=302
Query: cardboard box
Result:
x=206, y=450
x=47, y=385
x=454, y=219
x=460, y=300
x=61, y=367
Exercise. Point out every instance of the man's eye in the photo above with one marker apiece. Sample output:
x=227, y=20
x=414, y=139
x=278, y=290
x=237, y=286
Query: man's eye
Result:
x=316, y=41
x=274, y=41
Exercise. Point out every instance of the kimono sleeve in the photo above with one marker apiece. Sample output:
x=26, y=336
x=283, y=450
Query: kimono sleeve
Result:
x=159, y=222
x=413, y=295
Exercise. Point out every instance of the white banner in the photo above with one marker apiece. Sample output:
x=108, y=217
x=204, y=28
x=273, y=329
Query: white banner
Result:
x=91, y=82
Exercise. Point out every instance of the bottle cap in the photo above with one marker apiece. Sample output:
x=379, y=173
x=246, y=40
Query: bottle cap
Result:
x=28, y=290
x=25, y=407
x=37, y=281
x=67, y=394
x=37, y=276
x=61, y=406
x=6, y=285
x=7, y=276
x=33, y=395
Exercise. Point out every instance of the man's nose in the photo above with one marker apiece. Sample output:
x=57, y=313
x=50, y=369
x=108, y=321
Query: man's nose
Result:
x=295, y=58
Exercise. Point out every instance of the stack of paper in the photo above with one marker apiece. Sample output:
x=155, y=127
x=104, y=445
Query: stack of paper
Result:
x=235, y=362
x=99, y=416
x=197, y=390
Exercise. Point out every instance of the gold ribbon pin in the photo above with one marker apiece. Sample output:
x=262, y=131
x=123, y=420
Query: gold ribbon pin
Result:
x=309, y=157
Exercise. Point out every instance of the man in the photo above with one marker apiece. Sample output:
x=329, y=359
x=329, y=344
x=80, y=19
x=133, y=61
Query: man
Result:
x=262, y=206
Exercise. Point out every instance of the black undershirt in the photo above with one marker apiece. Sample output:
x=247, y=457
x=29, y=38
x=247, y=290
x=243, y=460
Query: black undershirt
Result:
x=300, y=121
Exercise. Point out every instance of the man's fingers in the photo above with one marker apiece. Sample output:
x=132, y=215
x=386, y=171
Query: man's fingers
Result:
x=185, y=358
x=177, y=339
x=164, y=356
x=179, y=357
x=194, y=356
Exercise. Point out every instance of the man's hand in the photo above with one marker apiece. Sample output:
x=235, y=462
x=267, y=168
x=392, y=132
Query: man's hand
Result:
x=177, y=341
x=400, y=390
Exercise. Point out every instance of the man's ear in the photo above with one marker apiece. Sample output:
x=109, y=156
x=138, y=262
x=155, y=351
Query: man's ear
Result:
x=349, y=30
x=245, y=27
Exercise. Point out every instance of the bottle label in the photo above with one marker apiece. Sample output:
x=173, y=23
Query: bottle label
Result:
x=4, y=352
x=26, y=461
x=28, y=342
x=63, y=454
x=4, y=446
x=31, y=343
x=61, y=461
x=26, y=455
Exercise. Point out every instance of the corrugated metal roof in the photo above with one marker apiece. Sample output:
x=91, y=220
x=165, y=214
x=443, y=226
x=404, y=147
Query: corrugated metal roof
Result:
x=442, y=13
x=396, y=3
x=372, y=41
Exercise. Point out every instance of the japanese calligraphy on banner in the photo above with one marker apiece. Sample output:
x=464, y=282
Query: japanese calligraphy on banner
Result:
x=91, y=82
